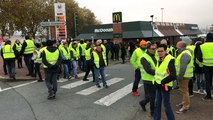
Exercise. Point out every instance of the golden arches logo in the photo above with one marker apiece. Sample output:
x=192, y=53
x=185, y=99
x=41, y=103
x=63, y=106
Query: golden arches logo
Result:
x=117, y=17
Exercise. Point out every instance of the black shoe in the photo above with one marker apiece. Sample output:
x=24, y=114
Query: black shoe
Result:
x=142, y=106
x=207, y=98
x=39, y=80
x=51, y=96
x=98, y=86
x=28, y=74
x=106, y=86
x=85, y=79
x=5, y=73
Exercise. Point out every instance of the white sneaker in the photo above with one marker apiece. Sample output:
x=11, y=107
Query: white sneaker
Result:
x=198, y=91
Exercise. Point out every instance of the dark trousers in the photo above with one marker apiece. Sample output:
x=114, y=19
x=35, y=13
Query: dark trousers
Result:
x=123, y=58
x=19, y=62
x=112, y=54
x=82, y=63
x=4, y=67
x=117, y=55
x=51, y=82
x=89, y=68
x=29, y=64
x=164, y=96
x=107, y=58
x=149, y=90
x=11, y=67
x=208, y=71
x=137, y=80
x=190, y=86
x=37, y=70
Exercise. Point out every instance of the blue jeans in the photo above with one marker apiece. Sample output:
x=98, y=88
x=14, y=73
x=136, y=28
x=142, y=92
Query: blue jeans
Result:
x=201, y=83
x=82, y=63
x=10, y=65
x=101, y=71
x=51, y=82
x=67, y=69
x=75, y=67
x=165, y=96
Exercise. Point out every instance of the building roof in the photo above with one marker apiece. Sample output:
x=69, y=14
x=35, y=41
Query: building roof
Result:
x=139, y=29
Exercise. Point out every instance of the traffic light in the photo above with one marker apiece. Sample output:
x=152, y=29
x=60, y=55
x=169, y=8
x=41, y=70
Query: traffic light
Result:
x=60, y=18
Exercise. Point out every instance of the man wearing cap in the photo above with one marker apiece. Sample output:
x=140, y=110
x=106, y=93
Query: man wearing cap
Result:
x=135, y=62
x=51, y=58
x=205, y=56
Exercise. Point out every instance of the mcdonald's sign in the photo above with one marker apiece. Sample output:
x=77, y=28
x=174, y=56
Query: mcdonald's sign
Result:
x=117, y=17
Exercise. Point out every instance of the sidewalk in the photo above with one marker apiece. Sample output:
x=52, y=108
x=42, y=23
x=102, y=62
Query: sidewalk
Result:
x=21, y=73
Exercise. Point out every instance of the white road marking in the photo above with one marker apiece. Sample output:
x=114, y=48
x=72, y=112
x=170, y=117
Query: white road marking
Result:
x=21, y=85
x=93, y=89
x=115, y=96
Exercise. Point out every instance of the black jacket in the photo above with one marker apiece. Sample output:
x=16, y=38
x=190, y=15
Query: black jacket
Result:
x=51, y=68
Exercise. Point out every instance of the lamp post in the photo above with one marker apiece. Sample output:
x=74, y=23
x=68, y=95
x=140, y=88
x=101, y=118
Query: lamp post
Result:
x=162, y=13
x=152, y=24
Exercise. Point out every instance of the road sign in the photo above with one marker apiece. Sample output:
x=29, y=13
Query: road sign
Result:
x=52, y=23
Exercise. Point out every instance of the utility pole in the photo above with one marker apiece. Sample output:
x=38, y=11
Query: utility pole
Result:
x=162, y=13
x=75, y=23
x=152, y=26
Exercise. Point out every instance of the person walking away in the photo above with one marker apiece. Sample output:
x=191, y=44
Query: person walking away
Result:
x=75, y=55
x=89, y=62
x=82, y=60
x=199, y=73
x=27, y=51
x=135, y=62
x=99, y=60
x=9, y=55
x=123, y=53
x=165, y=74
x=205, y=56
x=17, y=45
x=148, y=64
x=66, y=60
x=51, y=58
x=37, y=60
x=184, y=68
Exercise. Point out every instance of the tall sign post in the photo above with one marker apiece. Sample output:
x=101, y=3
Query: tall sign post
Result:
x=60, y=16
x=117, y=27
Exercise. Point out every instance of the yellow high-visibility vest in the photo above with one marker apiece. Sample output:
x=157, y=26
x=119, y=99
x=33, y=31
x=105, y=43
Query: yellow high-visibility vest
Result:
x=161, y=70
x=207, y=52
x=8, y=52
x=30, y=47
x=51, y=57
x=96, y=59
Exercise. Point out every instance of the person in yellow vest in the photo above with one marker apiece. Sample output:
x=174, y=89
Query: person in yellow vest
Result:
x=199, y=73
x=99, y=42
x=51, y=59
x=9, y=55
x=170, y=49
x=82, y=60
x=75, y=55
x=89, y=62
x=66, y=60
x=148, y=64
x=99, y=60
x=184, y=71
x=4, y=64
x=165, y=74
x=205, y=56
x=135, y=62
x=37, y=60
x=17, y=45
x=27, y=51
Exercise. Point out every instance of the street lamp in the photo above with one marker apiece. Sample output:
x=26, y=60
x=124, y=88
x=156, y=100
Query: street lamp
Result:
x=152, y=24
x=162, y=13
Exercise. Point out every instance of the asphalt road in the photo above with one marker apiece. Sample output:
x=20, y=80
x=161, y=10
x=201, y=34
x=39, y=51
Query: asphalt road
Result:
x=76, y=100
x=80, y=100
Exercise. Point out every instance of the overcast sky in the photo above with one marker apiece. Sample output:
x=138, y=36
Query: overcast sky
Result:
x=179, y=11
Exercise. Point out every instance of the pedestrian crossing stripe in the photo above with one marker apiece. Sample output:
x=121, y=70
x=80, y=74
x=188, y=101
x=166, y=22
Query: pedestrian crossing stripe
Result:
x=115, y=96
x=78, y=83
x=94, y=89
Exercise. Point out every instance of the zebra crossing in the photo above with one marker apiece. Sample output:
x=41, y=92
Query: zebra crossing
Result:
x=107, y=100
